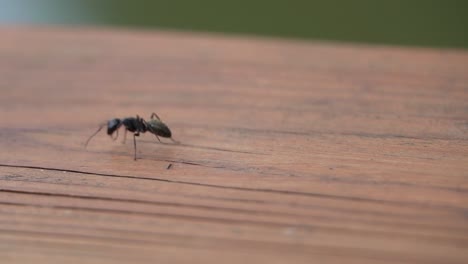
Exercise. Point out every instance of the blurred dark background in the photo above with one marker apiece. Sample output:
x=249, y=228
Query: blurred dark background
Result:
x=433, y=23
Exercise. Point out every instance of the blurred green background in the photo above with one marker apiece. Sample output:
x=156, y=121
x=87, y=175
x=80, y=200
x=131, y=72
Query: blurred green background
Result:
x=434, y=23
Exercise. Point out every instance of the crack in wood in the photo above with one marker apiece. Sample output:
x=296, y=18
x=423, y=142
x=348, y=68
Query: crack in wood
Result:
x=282, y=192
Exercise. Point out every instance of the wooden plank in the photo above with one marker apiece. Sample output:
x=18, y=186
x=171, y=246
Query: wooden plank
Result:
x=291, y=152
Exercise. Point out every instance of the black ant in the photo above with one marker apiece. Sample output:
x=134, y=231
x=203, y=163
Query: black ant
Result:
x=136, y=125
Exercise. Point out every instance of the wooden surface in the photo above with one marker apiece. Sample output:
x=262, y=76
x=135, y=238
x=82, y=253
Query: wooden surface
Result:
x=291, y=152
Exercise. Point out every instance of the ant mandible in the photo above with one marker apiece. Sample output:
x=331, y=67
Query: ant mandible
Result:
x=136, y=125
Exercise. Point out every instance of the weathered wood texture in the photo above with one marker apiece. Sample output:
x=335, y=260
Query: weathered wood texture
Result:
x=291, y=152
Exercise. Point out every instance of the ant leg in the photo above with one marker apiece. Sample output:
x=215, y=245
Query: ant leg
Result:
x=175, y=141
x=125, y=136
x=117, y=135
x=155, y=115
x=158, y=138
x=95, y=133
x=134, y=145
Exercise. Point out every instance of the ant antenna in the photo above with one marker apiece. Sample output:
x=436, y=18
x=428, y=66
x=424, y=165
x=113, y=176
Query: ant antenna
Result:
x=95, y=133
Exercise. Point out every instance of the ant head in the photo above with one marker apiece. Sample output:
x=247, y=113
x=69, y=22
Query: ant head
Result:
x=113, y=125
x=158, y=128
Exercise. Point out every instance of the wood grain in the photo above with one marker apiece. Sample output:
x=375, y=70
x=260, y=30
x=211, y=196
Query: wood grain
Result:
x=291, y=152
